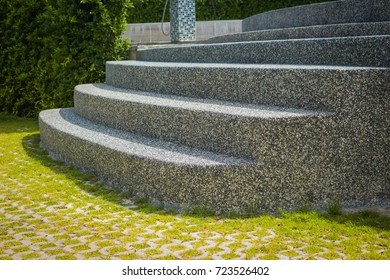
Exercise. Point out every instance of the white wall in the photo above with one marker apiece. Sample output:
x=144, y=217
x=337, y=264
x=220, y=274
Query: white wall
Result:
x=151, y=32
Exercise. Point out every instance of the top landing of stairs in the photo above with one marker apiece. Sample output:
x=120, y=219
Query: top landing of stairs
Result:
x=334, y=12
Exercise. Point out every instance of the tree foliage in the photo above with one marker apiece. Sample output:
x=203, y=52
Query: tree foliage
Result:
x=49, y=46
x=151, y=10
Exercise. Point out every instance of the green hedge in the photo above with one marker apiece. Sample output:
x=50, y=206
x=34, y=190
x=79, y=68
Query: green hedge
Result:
x=151, y=10
x=49, y=46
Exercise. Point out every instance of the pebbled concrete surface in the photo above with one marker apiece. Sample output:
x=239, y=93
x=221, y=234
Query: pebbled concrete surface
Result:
x=234, y=186
x=235, y=129
x=334, y=12
x=316, y=31
x=175, y=176
x=241, y=156
x=371, y=51
x=292, y=86
x=68, y=122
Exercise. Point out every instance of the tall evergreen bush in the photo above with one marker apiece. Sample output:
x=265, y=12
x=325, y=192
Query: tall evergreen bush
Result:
x=151, y=10
x=49, y=46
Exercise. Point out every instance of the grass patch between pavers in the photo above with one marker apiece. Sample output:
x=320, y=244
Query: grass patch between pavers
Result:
x=48, y=205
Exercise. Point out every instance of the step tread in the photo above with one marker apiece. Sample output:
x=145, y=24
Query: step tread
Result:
x=342, y=51
x=67, y=121
x=291, y=86
x=194, y=104
x=314, y=31
x=268, y=42
x=319, y=14
x=163, y=64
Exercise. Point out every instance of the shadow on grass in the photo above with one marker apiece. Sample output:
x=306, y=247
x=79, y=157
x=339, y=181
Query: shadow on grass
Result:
x=12, y=124
x=86, y=181
x=371, y=219
x=367, y=218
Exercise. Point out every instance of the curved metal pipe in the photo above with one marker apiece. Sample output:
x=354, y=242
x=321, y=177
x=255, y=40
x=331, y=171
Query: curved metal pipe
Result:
x=162, y=20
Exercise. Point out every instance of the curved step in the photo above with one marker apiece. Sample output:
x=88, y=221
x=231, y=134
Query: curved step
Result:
x=372, y=51
x=181, y=177
x=174, y=175
x=316, y=31
x=334, y=12
x=67, y=123
x=234, y=129
x=293, y=86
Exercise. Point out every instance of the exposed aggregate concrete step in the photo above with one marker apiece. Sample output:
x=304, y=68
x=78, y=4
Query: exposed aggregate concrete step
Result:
x=373, y=51
x=174, y=175
x=261, y=125
x=128, y=97
x=234, y=129
x=317, y=31
x=180, y=177
x=294, y=86
x=71, y=125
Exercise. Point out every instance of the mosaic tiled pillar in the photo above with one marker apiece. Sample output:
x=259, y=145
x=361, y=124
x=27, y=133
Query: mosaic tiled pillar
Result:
x=182, y=20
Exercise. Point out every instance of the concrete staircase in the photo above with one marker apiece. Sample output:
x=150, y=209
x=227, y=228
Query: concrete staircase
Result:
x=261, y=120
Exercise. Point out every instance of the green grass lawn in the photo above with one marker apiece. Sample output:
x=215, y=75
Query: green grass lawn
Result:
x=51, y=211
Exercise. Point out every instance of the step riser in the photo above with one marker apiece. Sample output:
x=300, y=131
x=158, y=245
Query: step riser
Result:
x=373, y=51
x=173, y=185
x=324, y=31
x=238, y=136
x=312, y=88
x=223, y=189
x=320, y=14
